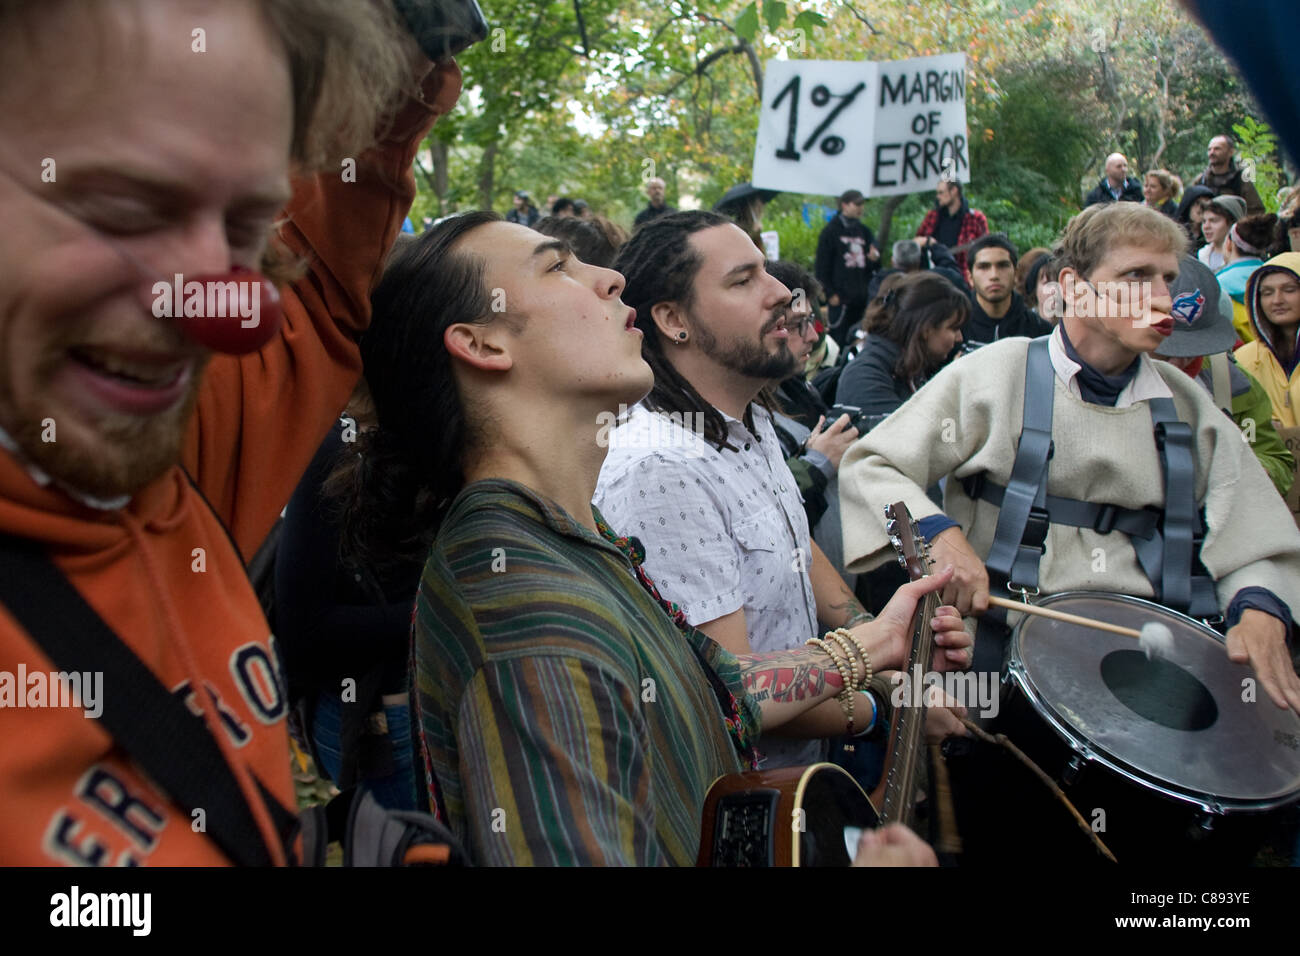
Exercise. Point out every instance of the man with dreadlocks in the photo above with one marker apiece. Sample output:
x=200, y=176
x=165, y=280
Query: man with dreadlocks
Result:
x=716, y=507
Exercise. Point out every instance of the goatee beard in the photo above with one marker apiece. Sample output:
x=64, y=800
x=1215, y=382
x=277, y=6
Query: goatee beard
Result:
x=748, y=358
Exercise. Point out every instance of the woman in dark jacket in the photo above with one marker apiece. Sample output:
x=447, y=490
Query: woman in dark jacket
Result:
x=913, y=325
x=1190, y=210
x=1159, y=187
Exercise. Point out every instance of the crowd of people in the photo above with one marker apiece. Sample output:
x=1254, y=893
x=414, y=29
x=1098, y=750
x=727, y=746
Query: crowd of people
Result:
x=575, y=521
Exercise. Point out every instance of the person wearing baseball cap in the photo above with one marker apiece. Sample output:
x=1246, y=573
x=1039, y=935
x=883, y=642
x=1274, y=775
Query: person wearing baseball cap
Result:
x=1200, y=344
x=524, y=212
x=846, y=259
x=1220, y=215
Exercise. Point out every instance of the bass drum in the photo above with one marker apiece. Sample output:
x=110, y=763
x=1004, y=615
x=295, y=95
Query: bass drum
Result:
x=1177, y=758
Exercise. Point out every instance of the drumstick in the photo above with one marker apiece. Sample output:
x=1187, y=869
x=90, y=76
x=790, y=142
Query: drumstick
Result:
x=1068, y=618
x=1154, y=638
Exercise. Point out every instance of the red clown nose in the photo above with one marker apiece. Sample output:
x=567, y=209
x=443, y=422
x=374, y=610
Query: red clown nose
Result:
x=235, y=313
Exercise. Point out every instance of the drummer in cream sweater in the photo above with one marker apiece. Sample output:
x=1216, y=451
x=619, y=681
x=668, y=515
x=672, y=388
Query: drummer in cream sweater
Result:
x=967, y=420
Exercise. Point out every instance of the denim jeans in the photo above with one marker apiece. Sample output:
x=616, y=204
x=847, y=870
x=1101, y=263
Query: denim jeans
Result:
x=394, y=790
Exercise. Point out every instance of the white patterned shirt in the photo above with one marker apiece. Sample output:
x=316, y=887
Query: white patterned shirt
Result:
x=722, y=530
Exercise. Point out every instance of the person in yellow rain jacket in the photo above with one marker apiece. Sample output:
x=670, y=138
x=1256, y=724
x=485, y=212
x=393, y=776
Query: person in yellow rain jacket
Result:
x=1273, y=301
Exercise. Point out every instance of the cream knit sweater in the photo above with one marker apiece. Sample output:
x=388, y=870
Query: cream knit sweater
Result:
x=968, y=418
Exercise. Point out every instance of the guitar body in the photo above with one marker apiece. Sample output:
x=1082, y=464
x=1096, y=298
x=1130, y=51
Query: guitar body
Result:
x=796, y=816
x=793, y=816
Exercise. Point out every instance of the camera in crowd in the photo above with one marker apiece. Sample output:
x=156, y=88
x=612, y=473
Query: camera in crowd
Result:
x=857, y=418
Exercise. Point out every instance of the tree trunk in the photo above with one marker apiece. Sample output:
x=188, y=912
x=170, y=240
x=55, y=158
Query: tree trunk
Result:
x=886, y=223
x=487, y=175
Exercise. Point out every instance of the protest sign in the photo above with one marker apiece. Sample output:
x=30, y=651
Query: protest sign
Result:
x=885, y=128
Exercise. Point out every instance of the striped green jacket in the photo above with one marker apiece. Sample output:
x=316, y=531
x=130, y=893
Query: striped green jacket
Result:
x=565, y=717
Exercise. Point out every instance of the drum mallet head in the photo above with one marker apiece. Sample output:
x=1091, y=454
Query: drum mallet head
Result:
x=1156, y=639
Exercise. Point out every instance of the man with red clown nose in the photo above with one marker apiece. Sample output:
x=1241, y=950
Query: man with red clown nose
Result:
x=139, y=187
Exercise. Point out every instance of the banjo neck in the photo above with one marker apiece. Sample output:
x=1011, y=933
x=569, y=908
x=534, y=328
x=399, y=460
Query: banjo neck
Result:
x=896, y=795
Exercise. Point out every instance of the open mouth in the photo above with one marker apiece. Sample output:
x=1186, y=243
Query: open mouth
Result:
x=133, y=384
x=154, y=375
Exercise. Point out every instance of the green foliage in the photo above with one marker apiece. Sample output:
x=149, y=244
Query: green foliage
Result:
x=809, y=20
x=773, y=13
x=747, y=22
x=798, y=239
x=1257, y=151
x=1037, y=129
x=669, y=88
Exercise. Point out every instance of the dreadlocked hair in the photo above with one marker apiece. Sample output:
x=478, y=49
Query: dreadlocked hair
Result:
x=660, y=265
x=395, y=486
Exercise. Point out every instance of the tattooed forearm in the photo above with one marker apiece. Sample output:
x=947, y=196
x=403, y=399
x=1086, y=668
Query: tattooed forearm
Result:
x=843, y=610
x=851, y=612
x=785, y=676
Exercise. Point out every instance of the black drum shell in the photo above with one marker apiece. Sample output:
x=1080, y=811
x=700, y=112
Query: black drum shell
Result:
x=1005, y=813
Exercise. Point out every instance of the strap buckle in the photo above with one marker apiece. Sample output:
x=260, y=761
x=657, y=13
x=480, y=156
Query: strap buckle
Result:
x=1104, y=523
x=1036, y=528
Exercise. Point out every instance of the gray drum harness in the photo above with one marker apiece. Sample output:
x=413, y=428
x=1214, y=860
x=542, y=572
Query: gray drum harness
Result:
x=1167, y=541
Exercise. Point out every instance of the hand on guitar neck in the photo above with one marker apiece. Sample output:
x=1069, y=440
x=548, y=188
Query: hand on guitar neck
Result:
x=892, y=627
x=795, y=689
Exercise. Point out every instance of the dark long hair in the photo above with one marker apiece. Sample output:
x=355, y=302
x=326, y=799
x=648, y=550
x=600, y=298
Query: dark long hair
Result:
x=395, y=486
x=596, y=241
x=905, y=307
x=660, y=265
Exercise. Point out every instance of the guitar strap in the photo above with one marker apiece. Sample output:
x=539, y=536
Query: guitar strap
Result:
x=167, y=740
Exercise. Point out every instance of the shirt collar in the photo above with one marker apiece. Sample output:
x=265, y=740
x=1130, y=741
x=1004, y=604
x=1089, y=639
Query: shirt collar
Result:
x=756, y=412
x=1146, y=385
x=486, y=491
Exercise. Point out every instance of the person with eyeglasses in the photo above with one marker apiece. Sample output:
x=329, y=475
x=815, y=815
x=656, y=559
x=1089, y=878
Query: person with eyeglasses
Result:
x=813, y=440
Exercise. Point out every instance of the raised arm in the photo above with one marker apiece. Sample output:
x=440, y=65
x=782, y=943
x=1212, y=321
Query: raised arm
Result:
x=260, y=417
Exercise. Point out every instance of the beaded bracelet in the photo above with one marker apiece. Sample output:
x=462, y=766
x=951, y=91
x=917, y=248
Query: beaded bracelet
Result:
x=845, y=696
x=852, y=651
x=846, y=634
x=850, y=654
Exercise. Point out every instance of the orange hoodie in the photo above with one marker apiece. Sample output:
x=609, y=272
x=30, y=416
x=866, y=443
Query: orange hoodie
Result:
x=69, y=795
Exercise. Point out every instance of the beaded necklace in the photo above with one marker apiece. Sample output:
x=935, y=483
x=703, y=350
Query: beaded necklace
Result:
x=635, y=553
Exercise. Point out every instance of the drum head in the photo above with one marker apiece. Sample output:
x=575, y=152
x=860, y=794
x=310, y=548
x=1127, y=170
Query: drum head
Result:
x=1178, y=722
